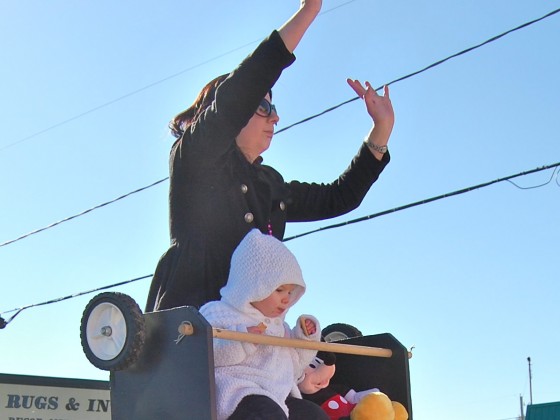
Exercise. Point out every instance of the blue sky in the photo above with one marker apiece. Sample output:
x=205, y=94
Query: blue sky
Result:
x=471, y=281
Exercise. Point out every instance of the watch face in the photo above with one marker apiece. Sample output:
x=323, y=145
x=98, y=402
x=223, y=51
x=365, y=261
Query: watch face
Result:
x=380, y=149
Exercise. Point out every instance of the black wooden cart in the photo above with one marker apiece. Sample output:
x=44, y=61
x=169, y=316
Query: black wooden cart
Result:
x=156, y=372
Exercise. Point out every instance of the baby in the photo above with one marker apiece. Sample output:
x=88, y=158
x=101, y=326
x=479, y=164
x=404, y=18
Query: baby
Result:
x=253, y=380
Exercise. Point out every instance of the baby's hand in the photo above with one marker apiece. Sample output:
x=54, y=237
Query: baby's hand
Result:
x=308, y=326
x=257, y=329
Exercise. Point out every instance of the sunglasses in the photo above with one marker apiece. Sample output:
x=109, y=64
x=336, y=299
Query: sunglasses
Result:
x=265, y=109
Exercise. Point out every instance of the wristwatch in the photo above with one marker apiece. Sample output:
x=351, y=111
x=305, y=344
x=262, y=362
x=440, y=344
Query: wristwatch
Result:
x=380, y=149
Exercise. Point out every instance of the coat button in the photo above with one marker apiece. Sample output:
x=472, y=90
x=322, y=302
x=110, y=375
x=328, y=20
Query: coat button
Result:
x=244, y=188
x=282, y=206
x=249, y=217
x=267, y=320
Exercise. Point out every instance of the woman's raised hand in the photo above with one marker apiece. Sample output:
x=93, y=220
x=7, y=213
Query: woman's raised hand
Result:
x=312, y=4
x=293, y=30
x=379, y=107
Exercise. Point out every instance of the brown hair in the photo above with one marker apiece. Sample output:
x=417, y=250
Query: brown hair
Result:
x=182, y=120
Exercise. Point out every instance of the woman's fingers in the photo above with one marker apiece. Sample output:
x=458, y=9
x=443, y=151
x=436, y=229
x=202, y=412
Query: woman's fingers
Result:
x=357, y=87
x=370, y=88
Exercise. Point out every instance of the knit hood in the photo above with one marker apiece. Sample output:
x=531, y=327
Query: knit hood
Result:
x=259, y=265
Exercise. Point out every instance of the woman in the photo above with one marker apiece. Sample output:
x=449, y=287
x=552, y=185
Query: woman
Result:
x=219, y=190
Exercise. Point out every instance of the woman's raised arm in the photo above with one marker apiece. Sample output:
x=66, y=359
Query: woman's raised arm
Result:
x=293, y=30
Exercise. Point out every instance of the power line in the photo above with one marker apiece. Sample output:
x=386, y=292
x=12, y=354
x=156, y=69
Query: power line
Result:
x=120, y=98
x=537, y=186
x=141, y=89
x=83, y=213
x=429, y=200
x=4, y=323
x=437, y=63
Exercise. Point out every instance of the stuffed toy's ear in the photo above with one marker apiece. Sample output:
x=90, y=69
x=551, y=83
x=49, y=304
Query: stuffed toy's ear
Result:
x=374, y=406
x=400, y=411
x=328, y=358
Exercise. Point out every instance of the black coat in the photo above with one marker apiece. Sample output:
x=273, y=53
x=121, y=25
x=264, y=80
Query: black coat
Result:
x=217, y=196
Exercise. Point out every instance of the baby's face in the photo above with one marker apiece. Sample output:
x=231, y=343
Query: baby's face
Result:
x=278, y=302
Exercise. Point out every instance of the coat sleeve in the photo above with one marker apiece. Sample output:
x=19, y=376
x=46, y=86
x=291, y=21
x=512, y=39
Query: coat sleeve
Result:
x=304, y=356
x=227, y=352
x=232, y=352
x=312, y=201
x=236, y=100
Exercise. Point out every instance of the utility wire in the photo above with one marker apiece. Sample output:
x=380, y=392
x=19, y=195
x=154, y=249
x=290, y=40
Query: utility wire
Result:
x=4, y=323
x=120, y=98
x=437, y=63
x=134, y=92
x=537, y=186
x=429, y=200
x=82, y=213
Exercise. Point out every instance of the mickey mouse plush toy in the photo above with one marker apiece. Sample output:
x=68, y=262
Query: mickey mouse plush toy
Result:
x=341, y=402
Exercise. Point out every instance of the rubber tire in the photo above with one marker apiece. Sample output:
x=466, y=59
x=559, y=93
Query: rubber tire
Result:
x=337, y=332
x=125, y=318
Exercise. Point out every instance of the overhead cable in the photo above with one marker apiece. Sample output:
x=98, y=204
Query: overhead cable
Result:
x=82, y=213
x=134, y=92
x=437, y=63
x=4, y=323
x=246, y=45
x=429, y=200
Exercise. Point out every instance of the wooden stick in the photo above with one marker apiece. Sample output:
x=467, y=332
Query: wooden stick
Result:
x=186, y=328
x=301, y=344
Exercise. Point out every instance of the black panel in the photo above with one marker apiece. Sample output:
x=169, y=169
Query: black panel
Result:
x=390, y=375
x=169, y=381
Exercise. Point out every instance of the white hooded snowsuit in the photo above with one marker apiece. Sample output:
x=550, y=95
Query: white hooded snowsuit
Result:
x=259, y=265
